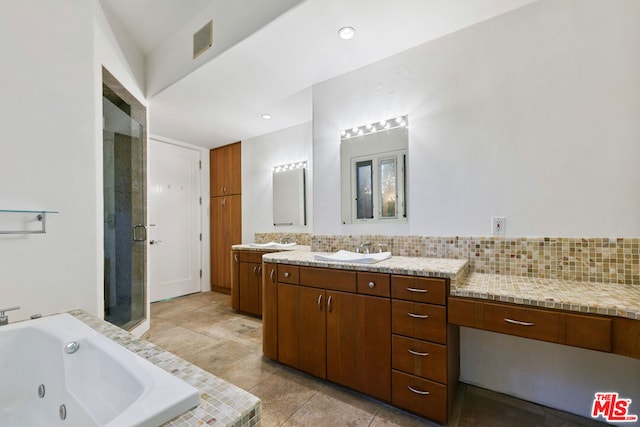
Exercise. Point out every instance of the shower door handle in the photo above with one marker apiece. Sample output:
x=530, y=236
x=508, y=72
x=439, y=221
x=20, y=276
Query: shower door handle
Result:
x=135, y=234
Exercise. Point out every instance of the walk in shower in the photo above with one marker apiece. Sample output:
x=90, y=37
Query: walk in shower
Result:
x=124, y=188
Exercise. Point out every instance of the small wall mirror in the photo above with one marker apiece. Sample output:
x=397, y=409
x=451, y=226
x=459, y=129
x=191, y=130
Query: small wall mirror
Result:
x=373, y=161
x=289, y=196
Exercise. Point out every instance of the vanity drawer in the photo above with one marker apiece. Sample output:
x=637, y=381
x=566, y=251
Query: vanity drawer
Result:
x=376, y=284
x=421, y=358
x=249, y=256
x=588, y=332
x=423, y=397
x=523, y=322
x=416, y=320
x=288, y=273
x=328, y=278
x=419, y=289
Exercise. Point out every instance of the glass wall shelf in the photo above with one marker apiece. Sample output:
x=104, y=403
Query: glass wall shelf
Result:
x=16, y=221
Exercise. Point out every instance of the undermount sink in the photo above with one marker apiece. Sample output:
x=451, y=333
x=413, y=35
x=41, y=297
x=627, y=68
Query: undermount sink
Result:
x=348, y=256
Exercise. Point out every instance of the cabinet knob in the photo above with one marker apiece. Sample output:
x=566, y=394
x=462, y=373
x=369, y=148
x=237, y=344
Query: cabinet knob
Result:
x=287, y=274
x=372, y=285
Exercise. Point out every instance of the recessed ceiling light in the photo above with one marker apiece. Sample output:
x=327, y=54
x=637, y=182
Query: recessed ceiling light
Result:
x=266, y=116
x=346, y=33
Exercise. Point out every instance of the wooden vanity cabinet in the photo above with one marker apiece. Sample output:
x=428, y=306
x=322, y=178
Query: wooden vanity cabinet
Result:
x=325, y=328
x=226, y=176
x=425, y=349
x=226, y=212
x=270, y=310
x=589, y=331
x=246, y=281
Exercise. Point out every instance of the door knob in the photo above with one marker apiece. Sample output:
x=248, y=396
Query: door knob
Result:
x=155, y=242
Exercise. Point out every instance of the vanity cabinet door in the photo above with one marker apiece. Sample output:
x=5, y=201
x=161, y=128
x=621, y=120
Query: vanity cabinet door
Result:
x=249, y=285
x=270, y=311
x=312, y=337
x=373, y=346
x=341, y=340
x=301, y=328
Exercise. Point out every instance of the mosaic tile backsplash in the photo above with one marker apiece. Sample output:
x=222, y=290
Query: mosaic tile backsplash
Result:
x=603, y=260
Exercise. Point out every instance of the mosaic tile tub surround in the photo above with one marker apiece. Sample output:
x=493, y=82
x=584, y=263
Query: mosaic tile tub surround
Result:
x=221, y=403
x=601, y=260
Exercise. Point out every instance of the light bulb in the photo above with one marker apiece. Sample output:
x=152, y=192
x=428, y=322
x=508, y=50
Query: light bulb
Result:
x=346, y=33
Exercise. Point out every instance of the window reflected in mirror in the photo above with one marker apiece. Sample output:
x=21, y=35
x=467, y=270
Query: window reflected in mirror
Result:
x=373, y=164
x=364, y=189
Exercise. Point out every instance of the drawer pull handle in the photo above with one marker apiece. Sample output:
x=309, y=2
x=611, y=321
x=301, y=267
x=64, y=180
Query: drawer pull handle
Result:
x=271, y=275
x=255, y=270
x=417, y=353
x=235, y=256
x=419, y=291
x=424, y=393
x=418, y=316
x=329, y=304
x=518, y=322
x=320, y=302
x=287, y=274
x=372, y=285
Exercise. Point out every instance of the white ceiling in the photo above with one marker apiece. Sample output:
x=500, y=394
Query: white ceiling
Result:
x=272, y=71
x=151, y=22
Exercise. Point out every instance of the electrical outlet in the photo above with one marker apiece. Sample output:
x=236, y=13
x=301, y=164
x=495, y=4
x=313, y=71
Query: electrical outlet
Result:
x=497, y=225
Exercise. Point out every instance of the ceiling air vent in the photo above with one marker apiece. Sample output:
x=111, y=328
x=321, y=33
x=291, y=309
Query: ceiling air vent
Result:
x=202, y=39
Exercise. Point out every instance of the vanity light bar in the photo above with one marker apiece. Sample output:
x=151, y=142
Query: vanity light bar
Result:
x=296, y=165
x=396, y=122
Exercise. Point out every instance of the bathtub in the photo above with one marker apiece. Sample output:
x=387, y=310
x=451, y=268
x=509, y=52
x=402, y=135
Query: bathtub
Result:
x=44, y=382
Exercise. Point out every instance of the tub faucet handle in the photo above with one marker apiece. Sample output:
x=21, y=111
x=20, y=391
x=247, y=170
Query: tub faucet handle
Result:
x=4, y=319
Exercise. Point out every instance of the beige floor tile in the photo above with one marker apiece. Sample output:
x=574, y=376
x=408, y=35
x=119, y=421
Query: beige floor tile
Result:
x=286, y=391
x=203, y=329
x=181, y=341
x=388, y=416
x=216, y=357
x=249, y=371
x=333, y=406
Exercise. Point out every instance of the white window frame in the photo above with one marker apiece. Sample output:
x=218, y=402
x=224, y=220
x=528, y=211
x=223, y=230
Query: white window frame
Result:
x=400, y=212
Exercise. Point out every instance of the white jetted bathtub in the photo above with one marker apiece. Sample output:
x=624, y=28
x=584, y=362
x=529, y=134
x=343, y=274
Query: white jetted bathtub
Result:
x=45, y=380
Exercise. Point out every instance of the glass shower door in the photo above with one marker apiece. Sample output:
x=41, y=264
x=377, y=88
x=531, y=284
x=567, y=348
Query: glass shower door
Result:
x=124, y=216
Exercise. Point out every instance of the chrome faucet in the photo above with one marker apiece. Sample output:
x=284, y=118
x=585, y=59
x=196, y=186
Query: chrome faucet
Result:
x=364, y=248
x=4, y=319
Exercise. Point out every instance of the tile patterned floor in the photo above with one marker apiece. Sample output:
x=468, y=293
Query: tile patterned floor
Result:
x=203, y=329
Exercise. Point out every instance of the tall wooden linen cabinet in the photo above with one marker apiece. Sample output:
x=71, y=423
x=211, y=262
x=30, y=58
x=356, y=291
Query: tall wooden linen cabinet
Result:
x=226, y=212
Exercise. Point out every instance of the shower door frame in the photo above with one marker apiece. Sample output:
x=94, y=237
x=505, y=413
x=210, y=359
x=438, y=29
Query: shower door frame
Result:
x=138, y=113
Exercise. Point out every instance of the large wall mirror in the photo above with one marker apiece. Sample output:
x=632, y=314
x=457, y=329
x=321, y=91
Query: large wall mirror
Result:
x=289, y=195
x=373, y=161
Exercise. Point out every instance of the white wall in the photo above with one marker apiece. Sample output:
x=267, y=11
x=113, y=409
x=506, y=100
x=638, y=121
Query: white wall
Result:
x=51, y=150
x=48, y=155
x=259, y=156
x=532, y=115
x=174, y=58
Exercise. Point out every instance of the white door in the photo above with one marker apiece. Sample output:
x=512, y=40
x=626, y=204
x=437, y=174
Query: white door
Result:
x=174, y=220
